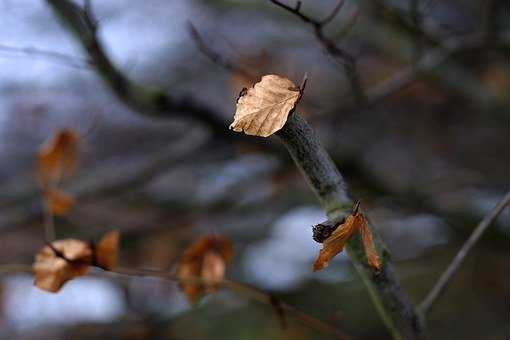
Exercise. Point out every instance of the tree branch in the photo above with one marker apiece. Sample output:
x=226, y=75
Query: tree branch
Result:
x=145, y=100
x=331, y=189
x=454, y=266
x=427, y=63
x=343, y=57
x=216, y=57
x=242, y=289
x=62, y=58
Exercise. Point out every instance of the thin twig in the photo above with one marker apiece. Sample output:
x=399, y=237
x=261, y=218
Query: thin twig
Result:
x=334, y=12
x=454, y=266
x=216, y=57
x=61, y=58
x=236, y=287
x=339, y=54
x=49, y=222
x=427, y=63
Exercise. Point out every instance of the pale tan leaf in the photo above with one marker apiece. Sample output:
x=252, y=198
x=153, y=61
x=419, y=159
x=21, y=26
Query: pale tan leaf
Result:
x=264, y=108
x=63, y=261
x=368, y=243
x=58, y=201
x=107, y=250
x=335, y=243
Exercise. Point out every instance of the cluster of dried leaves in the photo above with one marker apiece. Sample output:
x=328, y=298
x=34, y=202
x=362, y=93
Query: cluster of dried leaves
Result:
x=63, y=260
x=335, y=243
x=56, y=161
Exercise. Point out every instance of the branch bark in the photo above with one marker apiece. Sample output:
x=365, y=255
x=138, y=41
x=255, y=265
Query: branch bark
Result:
x=330, y=188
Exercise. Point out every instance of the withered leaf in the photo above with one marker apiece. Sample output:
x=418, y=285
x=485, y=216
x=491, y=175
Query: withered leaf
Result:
x=335, y=243
x=107, y=250
x=62, y=261
x=57, y=158
x=264, y=108
x=205, y=263
x=368, y=243
x=59, y=202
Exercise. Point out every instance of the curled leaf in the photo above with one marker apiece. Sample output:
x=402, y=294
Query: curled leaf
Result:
x=59, y=202
x=335, y=243
x=107, y=250
x=368, y=243
x=205, y=263
x=60, y=262
x=263, y=109
x=57, y=158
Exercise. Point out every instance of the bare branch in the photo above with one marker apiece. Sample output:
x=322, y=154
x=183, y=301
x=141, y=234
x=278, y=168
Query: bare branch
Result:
x=216, y=57
x=454, y=266
x=144, y=100
x=333, y=13
x=427, y=63
x=242, y=289
x=61, y=58
x=343, y=57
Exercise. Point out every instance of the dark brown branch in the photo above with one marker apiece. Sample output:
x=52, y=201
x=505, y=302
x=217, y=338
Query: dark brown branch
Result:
x=454, y=266
x=145, y=100
x=343, y=57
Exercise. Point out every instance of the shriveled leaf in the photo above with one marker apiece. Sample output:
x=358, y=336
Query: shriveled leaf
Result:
x=63, y=261
x=368, y=243
x=204, y=262
x=107, y=250
x=335, y=243
x=58, y=201
x=263, y=109
x=57, y=158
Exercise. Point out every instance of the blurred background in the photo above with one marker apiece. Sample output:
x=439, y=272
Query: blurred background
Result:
x=428, y=154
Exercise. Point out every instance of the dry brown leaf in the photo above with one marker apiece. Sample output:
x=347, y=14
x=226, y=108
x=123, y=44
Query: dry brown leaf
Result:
x=59, y=202
x=368, y=243
x=57, y=158
x=205, y=260
x=263, y=109
x=62, y=261
x=335, y=243
x=107, y=250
